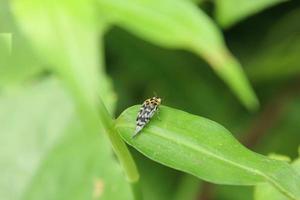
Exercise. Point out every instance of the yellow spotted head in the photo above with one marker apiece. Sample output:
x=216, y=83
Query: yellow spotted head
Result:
x=155, y=100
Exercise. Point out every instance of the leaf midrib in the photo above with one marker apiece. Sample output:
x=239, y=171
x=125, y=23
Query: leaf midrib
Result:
x=204, y=151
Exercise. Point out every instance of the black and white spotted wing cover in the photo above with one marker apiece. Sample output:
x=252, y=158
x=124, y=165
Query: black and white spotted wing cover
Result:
x=146, y=112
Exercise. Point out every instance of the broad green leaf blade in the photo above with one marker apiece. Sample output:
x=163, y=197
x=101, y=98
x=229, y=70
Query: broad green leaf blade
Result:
x=45, y=152
x=229, y=12
x=181, y=24
x=205, y=149
x=266, y=191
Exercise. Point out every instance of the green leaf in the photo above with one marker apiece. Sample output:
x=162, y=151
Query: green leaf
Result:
x=30, y=127
x=67, y=40
x=46, y=152
x=6, y=42
x=17, y=62
x=181, y=24
x=266, y=191
x=230, y=12
x=205, y=149
x=81, y=166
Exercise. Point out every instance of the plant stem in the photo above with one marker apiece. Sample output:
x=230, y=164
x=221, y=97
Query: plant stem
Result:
x=136, y=191
x=121, y=151
x=91, y=119
x=118, y=145
x=94, y=114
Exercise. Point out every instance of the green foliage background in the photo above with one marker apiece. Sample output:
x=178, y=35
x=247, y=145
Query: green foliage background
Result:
x=68, y=69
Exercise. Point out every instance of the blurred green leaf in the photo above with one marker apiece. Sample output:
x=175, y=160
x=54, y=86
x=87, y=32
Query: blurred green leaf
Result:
x=30, y=127
x=203, y=148
x=6, y=42
x=229, y=12
x=47, y=154
x=68, y=40
x=5, y=48
x=86, y=170
x=266, y=191
x=180, y=24
x=278, y=56
x=19, y=64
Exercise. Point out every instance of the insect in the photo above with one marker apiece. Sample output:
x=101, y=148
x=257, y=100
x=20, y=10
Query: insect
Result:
x=148, y=109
